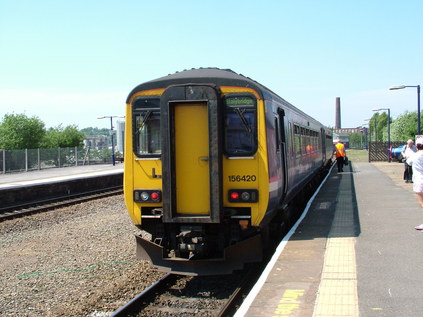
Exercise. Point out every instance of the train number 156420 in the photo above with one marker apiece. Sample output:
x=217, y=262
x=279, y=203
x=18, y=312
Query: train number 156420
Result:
x=242, y=178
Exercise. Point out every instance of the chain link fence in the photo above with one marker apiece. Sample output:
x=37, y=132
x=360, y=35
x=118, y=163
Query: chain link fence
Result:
x=37, y=159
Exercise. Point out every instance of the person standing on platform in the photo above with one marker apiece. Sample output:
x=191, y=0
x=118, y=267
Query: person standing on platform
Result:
x=407, y=152
x=416, y=161
x=340, y=155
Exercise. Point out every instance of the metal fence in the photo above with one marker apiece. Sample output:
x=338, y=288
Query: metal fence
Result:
x=37, y=159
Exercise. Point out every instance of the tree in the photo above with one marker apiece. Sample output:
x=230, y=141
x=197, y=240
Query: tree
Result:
x=95, y=131
x=382, y=127
x=404, y=127
x=17, y=131
x=72, y=137
x=63, y=137
x=381, y=132
x=357, y=140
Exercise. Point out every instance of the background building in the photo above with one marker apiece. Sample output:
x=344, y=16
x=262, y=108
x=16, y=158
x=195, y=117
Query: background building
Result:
x=120, y=136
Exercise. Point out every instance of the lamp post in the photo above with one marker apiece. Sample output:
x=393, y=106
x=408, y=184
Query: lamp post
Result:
x=365, y=134
x=111, y=134
x=418, y=102
x=389, y=131
x=369, y=140
x=370, y=131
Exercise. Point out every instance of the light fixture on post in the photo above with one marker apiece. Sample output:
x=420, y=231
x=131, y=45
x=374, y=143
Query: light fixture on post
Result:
x=368, y=140
x=418, y=102
x=369, y=130
x=365, y=130
x=111, y=134
x=389, y=130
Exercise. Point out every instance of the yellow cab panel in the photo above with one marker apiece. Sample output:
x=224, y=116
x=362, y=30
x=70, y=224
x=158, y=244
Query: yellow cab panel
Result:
x=143, y=166
x=245, y=159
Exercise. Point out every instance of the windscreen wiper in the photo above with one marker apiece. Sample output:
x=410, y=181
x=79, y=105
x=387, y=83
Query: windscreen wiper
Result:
x=144, y=120
x=244, y=121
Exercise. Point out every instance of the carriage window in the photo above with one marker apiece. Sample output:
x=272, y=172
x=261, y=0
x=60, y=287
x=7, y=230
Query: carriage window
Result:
x=240, y=125
x=147, y=127
x=297, y=141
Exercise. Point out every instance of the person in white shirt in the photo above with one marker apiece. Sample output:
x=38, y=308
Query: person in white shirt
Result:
x=416, y=161
x=407, y=152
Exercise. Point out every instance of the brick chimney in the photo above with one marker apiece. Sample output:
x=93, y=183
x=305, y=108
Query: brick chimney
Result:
x=338, y=113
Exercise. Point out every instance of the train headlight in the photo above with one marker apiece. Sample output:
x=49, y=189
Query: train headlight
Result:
x=243, y=195
x=147, y=195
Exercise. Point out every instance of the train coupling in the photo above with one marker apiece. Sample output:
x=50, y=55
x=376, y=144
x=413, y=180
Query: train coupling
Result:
x=234, y=257
x=191, y=242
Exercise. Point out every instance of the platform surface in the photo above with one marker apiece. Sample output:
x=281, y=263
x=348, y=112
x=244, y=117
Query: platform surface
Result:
x=355, y=253
x=10, y=180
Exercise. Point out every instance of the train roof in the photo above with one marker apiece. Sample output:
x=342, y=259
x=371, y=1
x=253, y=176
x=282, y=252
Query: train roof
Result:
x=221, y=77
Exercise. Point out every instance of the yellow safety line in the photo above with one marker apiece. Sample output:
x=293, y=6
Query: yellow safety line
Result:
x=337, y=295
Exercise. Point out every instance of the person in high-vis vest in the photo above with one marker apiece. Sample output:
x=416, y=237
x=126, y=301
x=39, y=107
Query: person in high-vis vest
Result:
x=340, y=155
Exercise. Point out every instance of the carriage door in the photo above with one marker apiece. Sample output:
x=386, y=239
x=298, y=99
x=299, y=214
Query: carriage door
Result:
x=191, y=156
x=323, y=144
x=192, y=159
x=283, y=150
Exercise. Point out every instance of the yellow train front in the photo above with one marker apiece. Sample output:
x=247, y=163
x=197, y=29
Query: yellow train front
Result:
x=199, y=179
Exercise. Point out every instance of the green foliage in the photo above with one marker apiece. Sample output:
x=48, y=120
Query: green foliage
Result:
x=72, y=137
x=103, y=155
x=404, y=127
x=63, y=137
x=17, y=131
x=382, y=127
x=95, y=131
x=357, y=140
x=381, y=132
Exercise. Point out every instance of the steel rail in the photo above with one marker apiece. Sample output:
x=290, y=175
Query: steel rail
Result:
x=133, y=304
x=56, y=202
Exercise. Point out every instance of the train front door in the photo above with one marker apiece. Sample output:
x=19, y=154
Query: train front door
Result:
x=191, y=154
x=192, y=159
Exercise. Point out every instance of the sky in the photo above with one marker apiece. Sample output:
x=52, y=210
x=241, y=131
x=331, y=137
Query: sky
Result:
x=71, y=62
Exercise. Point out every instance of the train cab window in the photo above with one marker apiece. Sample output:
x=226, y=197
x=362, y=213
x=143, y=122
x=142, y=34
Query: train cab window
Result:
x=146, y=114
x=240, y=126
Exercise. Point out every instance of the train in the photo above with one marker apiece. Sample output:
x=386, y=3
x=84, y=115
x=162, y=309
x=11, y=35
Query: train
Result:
x=215, y=166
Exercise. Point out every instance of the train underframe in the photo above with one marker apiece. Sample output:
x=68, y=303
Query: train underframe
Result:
x=198, y=248
x=217, y=248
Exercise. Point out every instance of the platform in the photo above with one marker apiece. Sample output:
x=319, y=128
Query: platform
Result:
x=13, y=180
x=354, y=253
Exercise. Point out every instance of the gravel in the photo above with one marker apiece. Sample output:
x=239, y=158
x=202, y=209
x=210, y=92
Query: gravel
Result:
x=80, y=260
x=74, y=261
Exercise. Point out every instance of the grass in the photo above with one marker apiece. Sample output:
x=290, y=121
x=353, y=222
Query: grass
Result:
x=358, y=155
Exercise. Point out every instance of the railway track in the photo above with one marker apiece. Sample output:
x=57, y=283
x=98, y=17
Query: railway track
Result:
x=20, y=210
x=175, y=295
